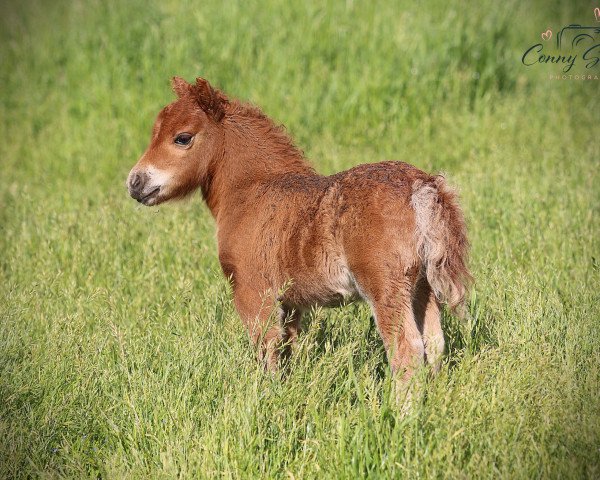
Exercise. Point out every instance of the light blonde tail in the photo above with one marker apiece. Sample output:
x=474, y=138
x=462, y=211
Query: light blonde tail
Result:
x=442, y=241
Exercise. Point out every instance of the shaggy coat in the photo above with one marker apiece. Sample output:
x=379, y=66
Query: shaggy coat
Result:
x=289, y=238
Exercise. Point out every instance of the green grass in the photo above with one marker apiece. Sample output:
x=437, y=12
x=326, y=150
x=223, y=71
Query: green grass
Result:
x=121, y=355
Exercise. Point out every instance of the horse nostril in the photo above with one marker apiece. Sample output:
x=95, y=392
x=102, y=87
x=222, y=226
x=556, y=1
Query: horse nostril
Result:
x=136, y=181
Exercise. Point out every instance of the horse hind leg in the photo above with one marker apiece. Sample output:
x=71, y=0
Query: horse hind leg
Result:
x=391, y=303
x=427, y=313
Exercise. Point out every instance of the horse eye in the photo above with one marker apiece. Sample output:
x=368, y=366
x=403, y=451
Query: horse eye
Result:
x=183, y=139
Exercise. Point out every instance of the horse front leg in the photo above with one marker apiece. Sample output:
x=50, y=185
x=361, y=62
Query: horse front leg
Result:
x=272, y=327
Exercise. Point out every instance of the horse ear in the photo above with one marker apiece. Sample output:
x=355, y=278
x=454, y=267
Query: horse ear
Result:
x=181, y=87
x=211, y=101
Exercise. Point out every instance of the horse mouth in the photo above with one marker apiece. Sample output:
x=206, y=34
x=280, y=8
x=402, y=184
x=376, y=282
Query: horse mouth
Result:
x=150, y=198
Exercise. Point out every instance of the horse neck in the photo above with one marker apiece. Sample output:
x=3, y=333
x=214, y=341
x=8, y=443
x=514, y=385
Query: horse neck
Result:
x=259, y=149
x=254, y=151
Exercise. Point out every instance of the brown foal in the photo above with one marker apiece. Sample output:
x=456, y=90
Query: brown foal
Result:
x=289, y=238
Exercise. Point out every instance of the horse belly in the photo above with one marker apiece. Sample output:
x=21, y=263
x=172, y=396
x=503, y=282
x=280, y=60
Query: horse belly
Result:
x=332, y=286
x=340, y=287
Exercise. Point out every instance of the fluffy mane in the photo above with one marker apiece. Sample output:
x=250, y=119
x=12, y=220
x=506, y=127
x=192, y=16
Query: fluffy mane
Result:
x=254, y=123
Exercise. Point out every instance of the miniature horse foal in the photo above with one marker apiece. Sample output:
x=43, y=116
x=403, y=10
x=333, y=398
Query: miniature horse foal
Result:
x=289, y=238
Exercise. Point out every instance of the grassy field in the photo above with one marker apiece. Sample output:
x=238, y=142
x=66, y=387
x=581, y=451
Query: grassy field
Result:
x=121, y=355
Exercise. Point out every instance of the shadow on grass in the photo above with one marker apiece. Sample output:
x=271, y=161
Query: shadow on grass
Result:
x=469, y=334
x=330, y=334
